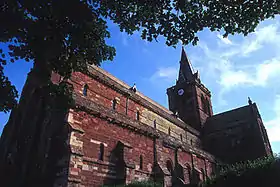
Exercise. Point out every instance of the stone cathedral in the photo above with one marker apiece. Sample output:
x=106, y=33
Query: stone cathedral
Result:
x=112, y=134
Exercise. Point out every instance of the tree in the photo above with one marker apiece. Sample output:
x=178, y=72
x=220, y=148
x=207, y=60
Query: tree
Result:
x=65, y=35
x=8, y=93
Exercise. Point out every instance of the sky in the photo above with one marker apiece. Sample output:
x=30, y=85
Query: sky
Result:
x=232, y=68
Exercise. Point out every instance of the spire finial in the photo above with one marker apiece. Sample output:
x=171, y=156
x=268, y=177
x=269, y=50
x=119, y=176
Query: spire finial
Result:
x=249, y=101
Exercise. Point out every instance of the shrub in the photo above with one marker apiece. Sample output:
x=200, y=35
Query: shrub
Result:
x=263, y=172
x=139, y=184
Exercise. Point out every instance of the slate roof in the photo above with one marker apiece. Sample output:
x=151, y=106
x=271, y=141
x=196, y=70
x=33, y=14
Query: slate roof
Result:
x=229, y=119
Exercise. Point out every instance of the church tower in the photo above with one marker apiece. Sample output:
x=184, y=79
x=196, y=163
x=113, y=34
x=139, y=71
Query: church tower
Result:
x=189, y=99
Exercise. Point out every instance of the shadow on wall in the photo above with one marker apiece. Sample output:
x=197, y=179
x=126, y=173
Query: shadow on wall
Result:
x=35, y=152
x=117, y=171
x=120, y=167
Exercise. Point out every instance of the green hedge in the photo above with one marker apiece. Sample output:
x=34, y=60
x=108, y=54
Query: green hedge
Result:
x=264, y=172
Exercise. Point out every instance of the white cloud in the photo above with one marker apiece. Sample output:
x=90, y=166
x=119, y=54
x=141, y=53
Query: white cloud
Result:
x=239, y=65
x=233, y=78
x=267, y=70
x=258, y=75
x=273, y=126
x=264, y=35
x=251, y=61
x=250, y=47
x=268, y=33
x=224, y=40
x=253, y=42
x=230, y=73
x=167, y=74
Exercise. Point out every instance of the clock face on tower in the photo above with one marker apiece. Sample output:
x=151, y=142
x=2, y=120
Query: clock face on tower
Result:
x=180, y=91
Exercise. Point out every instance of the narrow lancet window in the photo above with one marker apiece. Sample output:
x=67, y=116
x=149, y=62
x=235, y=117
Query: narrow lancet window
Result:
x=114, y=104
x=101, y=152
x=141, y=162
x=85, y=90
x=137, y=115
x=169, y=166
x=155, y=124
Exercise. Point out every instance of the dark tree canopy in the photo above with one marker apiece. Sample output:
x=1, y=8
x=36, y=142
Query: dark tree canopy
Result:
x=65, y=35
x=8, y=93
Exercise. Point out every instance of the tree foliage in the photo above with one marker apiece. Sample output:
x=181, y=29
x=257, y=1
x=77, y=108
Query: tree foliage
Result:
x=8, y=93
x=258, y=173
x=65, y=35
x=145, y=183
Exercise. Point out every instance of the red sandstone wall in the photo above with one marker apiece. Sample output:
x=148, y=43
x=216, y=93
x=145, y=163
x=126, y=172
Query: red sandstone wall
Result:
x=90, y=131
x=99, y=131
x=203, y=114
x=90, y=171
x=101, y=94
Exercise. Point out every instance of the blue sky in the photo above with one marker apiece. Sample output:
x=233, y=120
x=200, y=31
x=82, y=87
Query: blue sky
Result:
x=232, y=68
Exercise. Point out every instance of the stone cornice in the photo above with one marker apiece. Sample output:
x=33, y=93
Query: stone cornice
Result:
x=122, y=120
x=112, y=116
x=107, y=79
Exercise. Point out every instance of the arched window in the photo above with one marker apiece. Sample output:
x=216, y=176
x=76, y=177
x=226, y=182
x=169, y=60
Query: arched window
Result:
x=191, y=142
x=141, y=162
x=181, y=137
x=114, y=104
x=137, y=115
x=155, y=124
x=169, y=166
x=101, y=152
x=85, y=89
x=169, y=131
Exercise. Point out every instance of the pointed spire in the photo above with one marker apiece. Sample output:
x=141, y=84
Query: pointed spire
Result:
x=185, y=72
x=184, y=55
